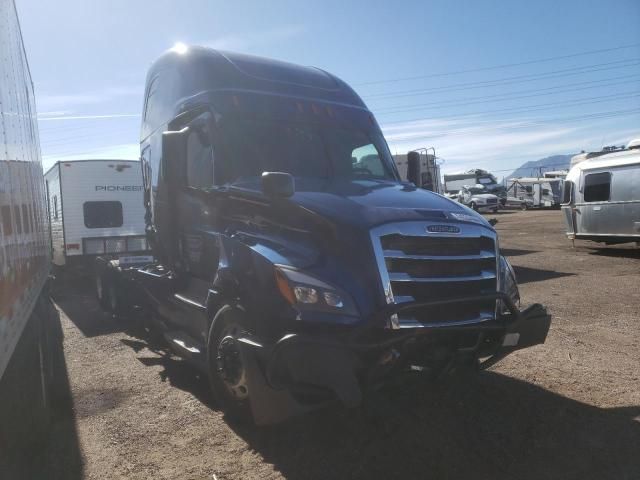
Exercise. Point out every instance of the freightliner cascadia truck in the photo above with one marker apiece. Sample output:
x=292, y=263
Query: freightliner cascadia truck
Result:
x=290, y=260
x=28, y=339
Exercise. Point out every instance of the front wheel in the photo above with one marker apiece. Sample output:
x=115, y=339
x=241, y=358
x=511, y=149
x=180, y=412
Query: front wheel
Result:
x=524, y=206
x=473, y=206
x=228, y=367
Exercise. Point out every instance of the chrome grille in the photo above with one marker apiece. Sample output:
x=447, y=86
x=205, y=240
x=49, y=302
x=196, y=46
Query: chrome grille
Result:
x=416, y=265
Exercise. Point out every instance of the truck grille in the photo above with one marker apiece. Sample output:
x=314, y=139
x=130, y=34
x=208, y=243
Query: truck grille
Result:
x=420, y=266
x=492, y=201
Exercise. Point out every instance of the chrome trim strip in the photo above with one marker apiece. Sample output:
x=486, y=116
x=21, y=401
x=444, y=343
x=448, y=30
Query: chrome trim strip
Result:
x=405, y=277
x=413, y=323
x=398, y=254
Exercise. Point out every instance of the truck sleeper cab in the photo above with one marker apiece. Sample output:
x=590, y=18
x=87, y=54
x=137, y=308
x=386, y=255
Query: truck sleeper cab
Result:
x=292, y=263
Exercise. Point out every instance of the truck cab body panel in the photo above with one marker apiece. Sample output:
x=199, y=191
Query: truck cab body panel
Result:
x=327, y=285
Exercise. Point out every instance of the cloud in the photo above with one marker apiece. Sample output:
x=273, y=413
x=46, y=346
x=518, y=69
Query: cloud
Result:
x=54, y=102
x=125, y=151
x=86, y=117
x=251, y=40
x=501, y=144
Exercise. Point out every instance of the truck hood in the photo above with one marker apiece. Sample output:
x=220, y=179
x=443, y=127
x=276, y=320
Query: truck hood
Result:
x=368, y=203
x=364, y=204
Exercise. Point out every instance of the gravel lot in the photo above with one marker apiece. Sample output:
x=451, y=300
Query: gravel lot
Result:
x=569, y=409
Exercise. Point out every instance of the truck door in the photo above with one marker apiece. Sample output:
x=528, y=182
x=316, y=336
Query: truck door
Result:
x=198, y=239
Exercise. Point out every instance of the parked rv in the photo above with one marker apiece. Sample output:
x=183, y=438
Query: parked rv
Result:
x=601, y=198
x=477, y=198
x=453, y=182
x=28, y=341
x=536, y=192
x=95, y=207
x=422, y=168
x=292, y=263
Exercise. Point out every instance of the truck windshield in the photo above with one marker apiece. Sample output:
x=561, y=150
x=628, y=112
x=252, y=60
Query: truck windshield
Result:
x=246, y=148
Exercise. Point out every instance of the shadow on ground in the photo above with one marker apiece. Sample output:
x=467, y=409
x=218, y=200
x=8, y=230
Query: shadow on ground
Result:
x=528, y=274
x=515, y=252
x=491, y=428
x=80, y=306
x=41, y=452
x=616, y=252
x=488, y=427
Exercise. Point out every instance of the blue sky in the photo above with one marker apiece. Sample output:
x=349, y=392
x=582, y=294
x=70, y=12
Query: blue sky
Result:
x=435, y=73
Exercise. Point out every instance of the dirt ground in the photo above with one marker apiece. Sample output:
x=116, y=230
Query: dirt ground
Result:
x=569, y=409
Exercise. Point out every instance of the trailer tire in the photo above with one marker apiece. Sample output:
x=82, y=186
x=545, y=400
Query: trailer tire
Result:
x=100, y=284
x=225, y=365
x=115, y=298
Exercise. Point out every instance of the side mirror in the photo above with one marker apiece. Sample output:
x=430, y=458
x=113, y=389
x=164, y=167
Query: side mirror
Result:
x=278, y=184
x=493, y=221
x=413, y=168
x=174, y=156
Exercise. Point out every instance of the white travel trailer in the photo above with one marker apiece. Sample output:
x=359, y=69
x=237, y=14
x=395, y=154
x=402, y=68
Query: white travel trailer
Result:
x=95, y=207
x=601, y=197
x=537, y=192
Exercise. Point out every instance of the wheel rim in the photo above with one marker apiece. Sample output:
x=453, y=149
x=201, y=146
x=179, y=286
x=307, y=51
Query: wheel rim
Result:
x=230, y=363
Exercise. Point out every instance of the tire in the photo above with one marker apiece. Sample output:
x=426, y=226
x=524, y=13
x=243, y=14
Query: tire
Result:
x=473, y=206
x=115, y=299
x=524, y=206
x=495, y=210
x=226, y=366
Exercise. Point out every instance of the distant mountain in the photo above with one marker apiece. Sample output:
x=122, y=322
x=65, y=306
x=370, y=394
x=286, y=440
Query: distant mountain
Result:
x=532, y=168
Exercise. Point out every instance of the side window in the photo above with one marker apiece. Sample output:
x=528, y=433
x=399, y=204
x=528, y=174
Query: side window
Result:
x=597, y=187
x=199, y=159
x=567, y=192
x=366, y=160
x=105, y=214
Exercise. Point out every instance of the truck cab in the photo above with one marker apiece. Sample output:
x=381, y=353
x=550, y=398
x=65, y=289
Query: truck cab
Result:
x=478, y=198
x=292, y=263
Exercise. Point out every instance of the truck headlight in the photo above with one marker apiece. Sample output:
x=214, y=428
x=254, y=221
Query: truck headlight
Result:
x=305, y=292
x=508, y=284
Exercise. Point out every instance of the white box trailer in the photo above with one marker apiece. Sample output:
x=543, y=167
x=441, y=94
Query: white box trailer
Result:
x=28, y=340
x=95, y=208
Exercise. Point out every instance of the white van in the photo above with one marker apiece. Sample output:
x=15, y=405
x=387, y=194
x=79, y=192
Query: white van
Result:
x=95, y=207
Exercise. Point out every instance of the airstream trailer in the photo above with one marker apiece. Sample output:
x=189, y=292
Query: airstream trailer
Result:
x=601, y=197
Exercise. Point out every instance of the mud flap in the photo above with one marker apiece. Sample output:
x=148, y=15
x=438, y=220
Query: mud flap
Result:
x=324, y=366
x=529, y=329
x=268, y=405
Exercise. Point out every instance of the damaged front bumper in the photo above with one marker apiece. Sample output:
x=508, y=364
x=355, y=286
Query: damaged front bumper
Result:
x=302, y=371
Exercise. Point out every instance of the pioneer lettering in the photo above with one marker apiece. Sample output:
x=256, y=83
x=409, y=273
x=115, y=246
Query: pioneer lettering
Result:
x=118, y=188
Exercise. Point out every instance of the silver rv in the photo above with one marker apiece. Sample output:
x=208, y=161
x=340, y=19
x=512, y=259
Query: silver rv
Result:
x=601, y=197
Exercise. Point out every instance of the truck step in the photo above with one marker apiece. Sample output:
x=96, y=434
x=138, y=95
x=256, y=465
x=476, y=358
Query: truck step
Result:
x=185, y=346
